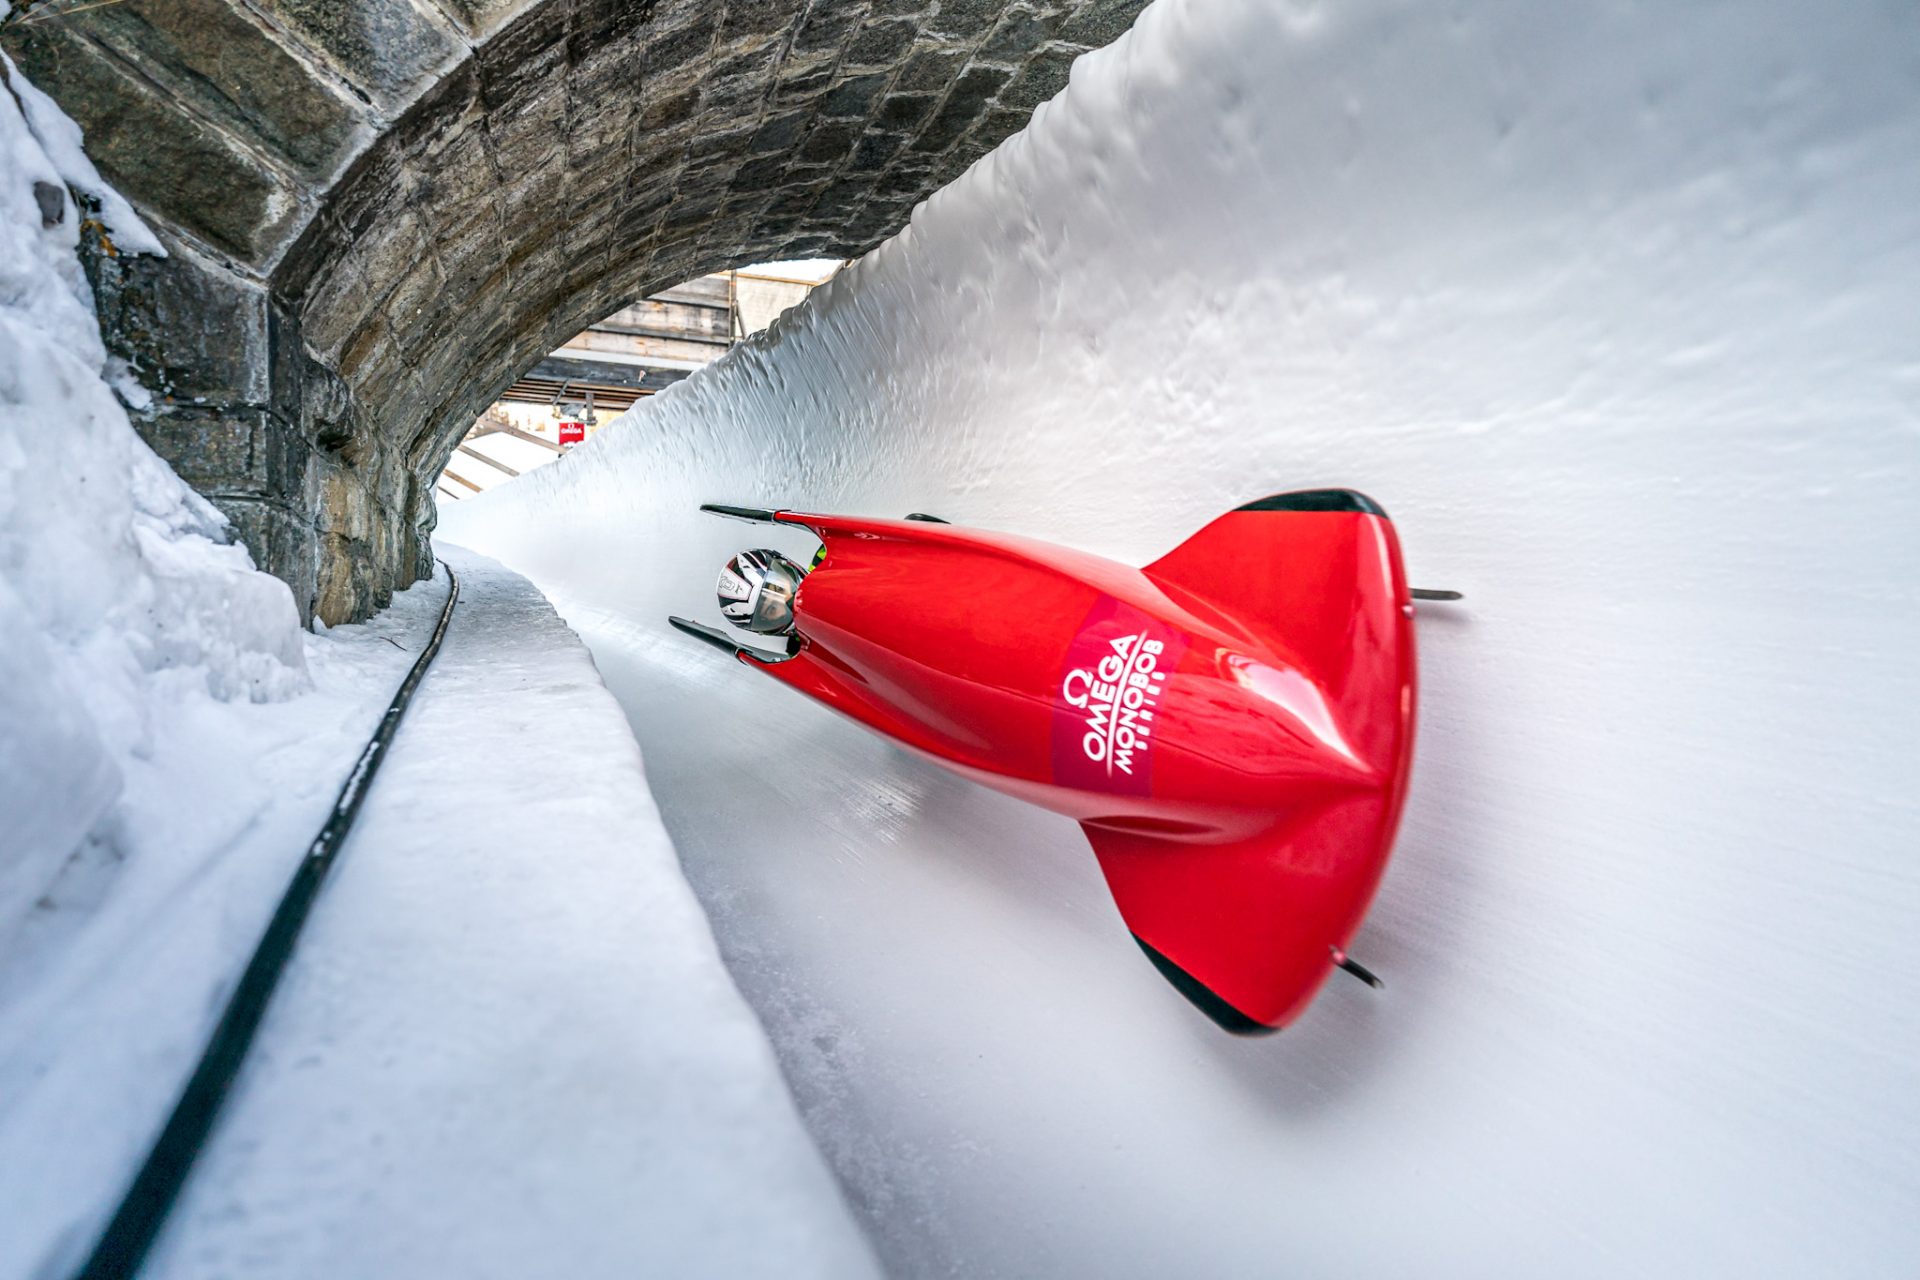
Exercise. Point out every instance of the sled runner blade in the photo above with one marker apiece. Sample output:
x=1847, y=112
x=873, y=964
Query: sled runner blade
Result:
x=1419, y=593
x=752, y=515
x=706, y=635
x=723, y=642
x=1348, y=964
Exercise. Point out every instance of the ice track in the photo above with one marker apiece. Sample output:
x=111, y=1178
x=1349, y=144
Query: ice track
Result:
x=1612, y=309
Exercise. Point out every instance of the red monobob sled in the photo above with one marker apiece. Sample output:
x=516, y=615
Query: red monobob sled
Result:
x=1231, y=725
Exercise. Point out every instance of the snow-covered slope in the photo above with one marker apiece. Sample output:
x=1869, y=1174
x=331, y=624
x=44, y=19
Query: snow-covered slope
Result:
x=1612, y=308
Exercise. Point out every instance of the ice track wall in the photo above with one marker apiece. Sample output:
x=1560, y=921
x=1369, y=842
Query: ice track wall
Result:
x=1613, y=308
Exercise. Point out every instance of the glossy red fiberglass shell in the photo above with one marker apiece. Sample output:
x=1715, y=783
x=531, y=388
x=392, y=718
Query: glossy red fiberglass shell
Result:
x=1232, y=725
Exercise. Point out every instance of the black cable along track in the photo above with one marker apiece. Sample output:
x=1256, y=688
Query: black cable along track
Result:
x=123, y=1245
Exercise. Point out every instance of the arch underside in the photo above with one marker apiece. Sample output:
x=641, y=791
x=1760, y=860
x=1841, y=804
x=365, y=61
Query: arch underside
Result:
x=380, y=213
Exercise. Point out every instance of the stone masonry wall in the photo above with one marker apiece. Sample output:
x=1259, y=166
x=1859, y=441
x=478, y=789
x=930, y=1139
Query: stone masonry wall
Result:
x=380, y=212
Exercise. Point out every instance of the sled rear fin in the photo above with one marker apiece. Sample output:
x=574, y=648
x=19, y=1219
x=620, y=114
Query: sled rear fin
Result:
x=1248, y=930
x=1314, y=578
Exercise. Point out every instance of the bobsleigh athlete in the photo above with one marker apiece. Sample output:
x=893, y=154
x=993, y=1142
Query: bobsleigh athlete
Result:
x=1231, y=725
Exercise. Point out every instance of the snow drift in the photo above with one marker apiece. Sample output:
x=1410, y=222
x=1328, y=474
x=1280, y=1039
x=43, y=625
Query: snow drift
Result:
x=1612, y=308
x=120, y=592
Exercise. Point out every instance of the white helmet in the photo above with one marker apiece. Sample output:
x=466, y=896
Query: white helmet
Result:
x=756, y=591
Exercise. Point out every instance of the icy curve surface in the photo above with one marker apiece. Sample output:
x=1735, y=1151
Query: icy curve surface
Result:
x=1612, y=308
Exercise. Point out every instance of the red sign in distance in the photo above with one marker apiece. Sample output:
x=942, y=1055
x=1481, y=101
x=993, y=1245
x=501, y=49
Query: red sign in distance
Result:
x=572, y=432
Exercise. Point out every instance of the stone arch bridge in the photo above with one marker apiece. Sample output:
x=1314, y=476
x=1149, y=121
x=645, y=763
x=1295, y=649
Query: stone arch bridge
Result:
x=381, y=212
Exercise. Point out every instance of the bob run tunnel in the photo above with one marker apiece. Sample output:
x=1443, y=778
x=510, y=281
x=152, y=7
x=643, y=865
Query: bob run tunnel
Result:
x=379, y=215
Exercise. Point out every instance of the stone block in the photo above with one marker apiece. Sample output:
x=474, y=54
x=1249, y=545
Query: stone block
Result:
x=791, y=204
x=280, y=541
x=152, y=149
x=953, y=121
x=828, y=26
x=979, y=85
x=340, y=303
x=645, y=204
x=829, y=143
x=740, y=213
x=874, y=223
x=759, y=22
x=478, y=18
x=600, y=22
x=192, y=329
x=707, y=179
x=880, y=44
x=525, y=59
x=1099, y=22
x=803, y=87
x=838, y=202
x=599, y=169
x=342, y=591
x=448, y=114
x=212, y=451
x=779, y=133
x=930, y=68
x=663, y=113
x=761, y=175
x=377, y=183
x=685, y=216
x=853, y=98
x=605, y=81
x=903, y=180
x=963, y=19
x=1044, y=75
x=681, y=46
x=469, y=252
x=212, y=56
x=875, y=151
x=355, y=284
x=903, y=111
x=715, y=143
x=997, y=125
x=389, y=48
x=531, y=136
x=1019, y=32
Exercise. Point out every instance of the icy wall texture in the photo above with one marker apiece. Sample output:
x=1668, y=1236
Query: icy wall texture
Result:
x=118, y=595
x=1612, y=307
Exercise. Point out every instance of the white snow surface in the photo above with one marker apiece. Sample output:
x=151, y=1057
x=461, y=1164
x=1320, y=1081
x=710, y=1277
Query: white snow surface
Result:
x=1612, y=307
x=123, y=608
x=509, y=1048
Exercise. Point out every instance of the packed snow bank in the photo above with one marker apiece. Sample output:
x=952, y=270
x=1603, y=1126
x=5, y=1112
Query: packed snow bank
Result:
x=120, y=598
x=1612, y=308
x=507, y=1046
x=115, y=978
